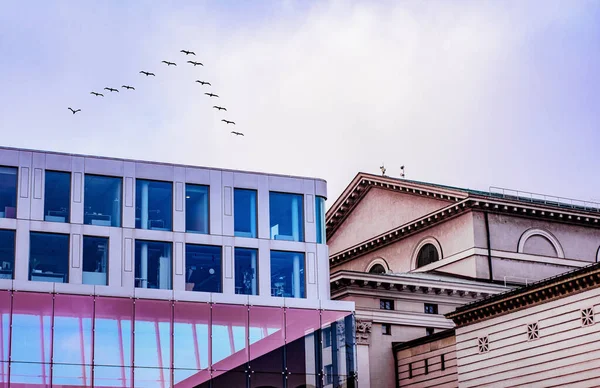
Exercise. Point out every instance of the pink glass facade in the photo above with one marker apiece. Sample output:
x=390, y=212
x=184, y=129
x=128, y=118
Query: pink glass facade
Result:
x=60, y=340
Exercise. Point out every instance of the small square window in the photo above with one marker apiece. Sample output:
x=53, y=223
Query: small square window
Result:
x=429, y=331
x=431, y=308
x=483, y=344
x=533, y=332
x=386, y=304
x=587, y=317
x=386, y=329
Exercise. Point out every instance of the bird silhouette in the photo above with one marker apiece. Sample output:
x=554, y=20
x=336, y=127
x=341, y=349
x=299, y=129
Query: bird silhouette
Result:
x=196, y=63
x=237, y=133
x=203, y=83
x=128, y=87
x=147, y=73
x=219, y=108
x=186, y=52
x=97, y=94
x=74, y=111
x=211, y=95
x=169, y=63
x=228, y=122
x=111, y=90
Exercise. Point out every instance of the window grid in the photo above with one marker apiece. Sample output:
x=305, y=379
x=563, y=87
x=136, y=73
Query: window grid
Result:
x=483, y=344
x=533, y=332
x=431, y=308
x=587, y=317
x=386, y=304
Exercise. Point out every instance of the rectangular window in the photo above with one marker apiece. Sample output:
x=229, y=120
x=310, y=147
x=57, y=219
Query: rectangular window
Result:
x=386, y=304
x=7, y=253
x=153, y=205
x=57, y=196
x=286, y=216
x=246, y=271
x=287, y=274
x=320, y=219
x=426, y=366
x=95, y=260
x=429, y=331
x=431, y=308
x=328, y=374
x=8, y=192
x=443, y=362
x=102, y=200
x=410, y=372
x=327, y=337
x=49, y=257
x=386, y=329
x=244, y=211
x=196, y=208
x=153, y=264
x=203, y=268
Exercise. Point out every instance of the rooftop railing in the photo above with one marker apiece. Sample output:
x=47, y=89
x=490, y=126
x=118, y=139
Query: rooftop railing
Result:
x=544, y=199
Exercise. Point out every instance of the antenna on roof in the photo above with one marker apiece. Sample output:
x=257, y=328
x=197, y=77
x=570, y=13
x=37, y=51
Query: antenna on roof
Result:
x=382, y=168
x=401, y=171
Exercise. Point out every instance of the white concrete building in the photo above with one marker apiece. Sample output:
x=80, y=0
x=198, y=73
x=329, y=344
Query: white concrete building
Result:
x=165, y=275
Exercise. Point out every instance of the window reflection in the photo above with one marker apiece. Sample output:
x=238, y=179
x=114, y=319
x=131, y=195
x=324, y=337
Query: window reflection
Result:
x=287, y=274
x=244, y=212
x=286, y=216
x=153, y=264
x=7, y=253
x=203, y=268
x=57, y=196
x=102, y=200
x=320, y=219
x=8, y=192
x=196, y=208
x=49, y=257
x=153, y=205
x=246, y=271
x=95, y=260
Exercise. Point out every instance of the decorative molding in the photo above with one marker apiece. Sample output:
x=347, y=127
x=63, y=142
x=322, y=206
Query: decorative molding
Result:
x=379, y=260
x=427, y=240
x=363, y=332
x=544, y=233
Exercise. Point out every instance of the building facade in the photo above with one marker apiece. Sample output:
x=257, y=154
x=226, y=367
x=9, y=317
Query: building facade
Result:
x=408, y=252
x=123, y=273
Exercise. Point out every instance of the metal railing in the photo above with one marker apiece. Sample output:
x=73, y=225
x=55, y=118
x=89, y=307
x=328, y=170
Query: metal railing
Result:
x=544, y=199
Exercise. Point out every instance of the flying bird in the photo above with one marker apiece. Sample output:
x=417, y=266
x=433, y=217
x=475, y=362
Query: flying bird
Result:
x=196, y=63
x=228, y=122
x=169, y=63
x=97, y=94
x=187, y=52
x=211, y=95
x=219, y=108
x=128, y=87
x=147, y=73
x=112, y=90
x=74, y=111
x=203, y=83
x=237, y=133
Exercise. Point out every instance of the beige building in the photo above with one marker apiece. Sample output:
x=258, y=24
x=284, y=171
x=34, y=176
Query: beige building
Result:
x=541, y=335
x=409, y=252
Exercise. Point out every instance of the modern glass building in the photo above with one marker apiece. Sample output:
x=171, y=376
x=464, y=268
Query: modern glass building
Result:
x=122, y=273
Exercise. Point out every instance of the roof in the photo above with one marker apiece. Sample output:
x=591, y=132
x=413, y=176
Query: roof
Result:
x=398, y=346
x=544, y=291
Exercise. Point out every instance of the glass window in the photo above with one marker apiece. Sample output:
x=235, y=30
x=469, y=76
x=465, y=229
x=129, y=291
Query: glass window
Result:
x=203, y=268
x=287, y=274
x=386, y=329
x=57, y=196
x=95, y=260
x=320, y=219
x=244, y=202
x=328, y=374
x=429, y=331
x=153, y=264
x=8, y=192
x=427, y=255
x=196, y=208
x=102, y=200
x=246, y=271
x=153, y=204
x=378, y=268
x=49, y=257
x=7, y=253
x=386, y=304
x=287, y=222
x=431, y=308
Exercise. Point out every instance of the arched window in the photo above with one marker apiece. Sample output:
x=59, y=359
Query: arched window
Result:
x=377, y=268
x=427, y=255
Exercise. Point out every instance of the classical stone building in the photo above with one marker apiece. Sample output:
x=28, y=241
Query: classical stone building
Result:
x=408, y=252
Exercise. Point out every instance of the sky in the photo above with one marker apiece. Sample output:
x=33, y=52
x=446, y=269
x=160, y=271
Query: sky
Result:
x=466, y=93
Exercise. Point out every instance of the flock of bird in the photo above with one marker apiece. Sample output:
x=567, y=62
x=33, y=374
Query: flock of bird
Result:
x=150, y=74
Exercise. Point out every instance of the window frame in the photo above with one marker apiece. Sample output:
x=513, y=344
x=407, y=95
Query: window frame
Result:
x=386, y=329
x=387, y=304
x=17, y=188
x=83, y=237
x=171, y=207
x=255, y=191
x=66, y=277
x=301, y=216
x=70, y=174
x=432, y=306
x=121, y=198
x=14, y=252
x=207, y=207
